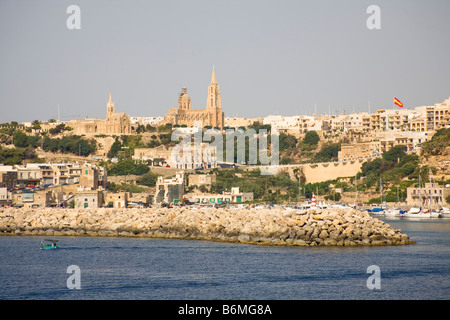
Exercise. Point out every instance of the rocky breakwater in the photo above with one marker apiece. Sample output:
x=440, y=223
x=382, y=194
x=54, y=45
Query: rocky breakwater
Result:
x=314, y=227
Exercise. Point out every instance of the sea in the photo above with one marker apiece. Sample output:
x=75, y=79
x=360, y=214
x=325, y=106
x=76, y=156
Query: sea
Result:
x=119, y=268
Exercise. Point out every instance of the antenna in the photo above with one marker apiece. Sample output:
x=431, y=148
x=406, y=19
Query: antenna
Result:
x=59, y=118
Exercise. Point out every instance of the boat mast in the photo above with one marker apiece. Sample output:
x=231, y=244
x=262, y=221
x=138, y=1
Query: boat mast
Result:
x=420, y=198
x=381, y=194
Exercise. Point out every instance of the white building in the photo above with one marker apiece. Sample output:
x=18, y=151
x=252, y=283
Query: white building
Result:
x=153, y=121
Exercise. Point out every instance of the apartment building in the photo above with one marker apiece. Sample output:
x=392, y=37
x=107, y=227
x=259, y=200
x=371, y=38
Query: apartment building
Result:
x=45, y=174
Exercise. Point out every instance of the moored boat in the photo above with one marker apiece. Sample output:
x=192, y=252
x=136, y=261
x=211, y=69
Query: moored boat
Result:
x=394, y=212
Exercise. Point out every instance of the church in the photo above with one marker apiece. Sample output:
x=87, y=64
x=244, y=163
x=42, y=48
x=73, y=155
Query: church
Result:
x=115, y=123
x=212, y=115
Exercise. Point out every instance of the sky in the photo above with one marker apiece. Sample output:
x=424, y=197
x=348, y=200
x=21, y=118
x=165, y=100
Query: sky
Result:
x=283, y=57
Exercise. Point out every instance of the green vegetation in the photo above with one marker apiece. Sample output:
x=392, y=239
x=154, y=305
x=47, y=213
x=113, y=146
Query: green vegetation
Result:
x=127, y=187
x=125, y=146
x=70, y=144
x=394, y=166
x=60, y=128
x=327, y=153
x=149, y=179
x=311, y=138
x=279, y=188
x=258, y=126
x=438, y=143
x=12, y=156
x=22, y=140
x=286, y=141
x=126, y=166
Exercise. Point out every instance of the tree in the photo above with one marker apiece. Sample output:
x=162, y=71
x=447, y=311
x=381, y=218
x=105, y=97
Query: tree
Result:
x=311, y=138
x=115, y=148
x=149, y=179
x=36, y=124
x=328, y=153
x=128, y=166
x=395, y=154
x=20, y=139
x=286, y=141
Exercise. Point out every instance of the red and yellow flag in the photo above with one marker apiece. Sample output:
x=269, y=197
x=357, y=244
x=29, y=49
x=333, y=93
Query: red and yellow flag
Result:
x=398, y=102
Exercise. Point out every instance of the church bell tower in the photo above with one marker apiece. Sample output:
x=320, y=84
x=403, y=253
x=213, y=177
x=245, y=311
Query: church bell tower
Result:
x=213, y=93
x=110, y=107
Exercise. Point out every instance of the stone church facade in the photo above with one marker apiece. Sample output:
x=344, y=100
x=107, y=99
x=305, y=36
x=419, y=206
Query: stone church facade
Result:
x=212, y=115
x=115, y=123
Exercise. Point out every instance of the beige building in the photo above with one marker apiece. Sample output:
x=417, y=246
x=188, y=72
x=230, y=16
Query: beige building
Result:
x=39, y=199
x=211, y=116
x=201, y=180
x=237, y=122
x=88, y=199
x=359, y=150
x=169, y=190
x=235, y=196
x=431, y=196
x=116, y=200
x=177, y=158
x=4, y=197
x=115, y=123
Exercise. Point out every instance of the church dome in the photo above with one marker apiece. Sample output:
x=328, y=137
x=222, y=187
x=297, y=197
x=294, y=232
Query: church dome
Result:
x=184, y=101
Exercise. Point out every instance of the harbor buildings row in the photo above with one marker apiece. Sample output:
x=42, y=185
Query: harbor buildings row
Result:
x=37, y=175
x=172, y=190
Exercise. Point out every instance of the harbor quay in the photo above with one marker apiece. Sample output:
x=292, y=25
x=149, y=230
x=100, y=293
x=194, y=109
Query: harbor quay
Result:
x=311, y=227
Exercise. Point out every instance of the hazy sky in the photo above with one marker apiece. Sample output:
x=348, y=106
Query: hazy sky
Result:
x=271, y=57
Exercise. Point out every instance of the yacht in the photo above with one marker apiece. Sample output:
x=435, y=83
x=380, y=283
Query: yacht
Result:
x=445, y=212
x=394, y=212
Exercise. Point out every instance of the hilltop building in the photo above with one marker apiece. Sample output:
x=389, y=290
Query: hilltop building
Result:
x=115, y=123
x=211, y=116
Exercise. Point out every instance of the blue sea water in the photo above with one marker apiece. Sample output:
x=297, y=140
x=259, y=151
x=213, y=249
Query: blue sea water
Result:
x=160, y=269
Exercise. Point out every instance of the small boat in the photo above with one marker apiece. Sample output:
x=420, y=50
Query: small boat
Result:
x=394, y=212
x=50, y=244
x=435, y=214
x=445, y=212
x=378, y=211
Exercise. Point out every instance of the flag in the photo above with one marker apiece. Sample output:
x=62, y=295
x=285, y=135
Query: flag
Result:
x=397, y=102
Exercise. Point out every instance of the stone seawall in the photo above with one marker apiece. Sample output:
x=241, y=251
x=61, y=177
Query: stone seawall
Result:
x=330, y=227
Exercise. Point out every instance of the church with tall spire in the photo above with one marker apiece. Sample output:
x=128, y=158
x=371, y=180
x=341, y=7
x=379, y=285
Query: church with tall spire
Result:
x=115, y=122
x=212, y=115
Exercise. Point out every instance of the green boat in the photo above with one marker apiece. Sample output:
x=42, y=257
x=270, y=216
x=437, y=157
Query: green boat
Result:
x=50, y=244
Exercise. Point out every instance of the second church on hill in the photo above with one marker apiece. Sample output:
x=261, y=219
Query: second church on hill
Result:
x=212, y=115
